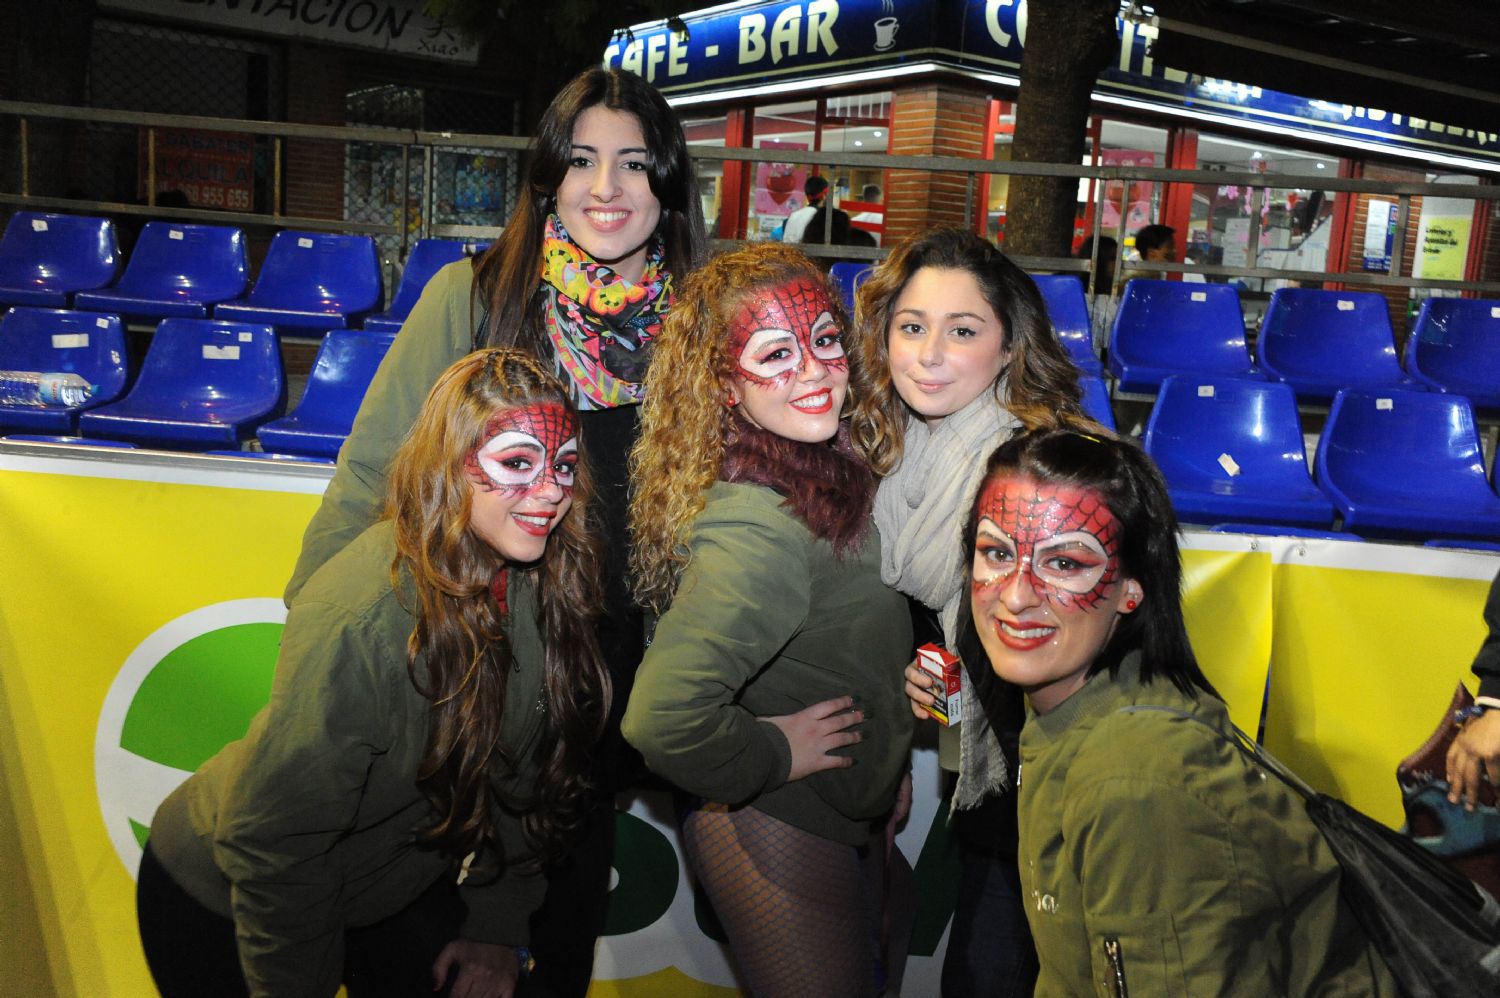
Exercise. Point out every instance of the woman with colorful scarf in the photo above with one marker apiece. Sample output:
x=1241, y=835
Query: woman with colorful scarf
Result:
x=581, y=277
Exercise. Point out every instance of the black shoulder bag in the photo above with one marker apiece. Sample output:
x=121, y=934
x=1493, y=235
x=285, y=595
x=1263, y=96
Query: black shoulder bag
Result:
x=1438, y=931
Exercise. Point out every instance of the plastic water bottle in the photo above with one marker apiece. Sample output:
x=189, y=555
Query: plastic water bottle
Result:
x=40, y=390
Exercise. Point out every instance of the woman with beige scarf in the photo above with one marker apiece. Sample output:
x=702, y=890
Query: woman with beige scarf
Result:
x=958, y=339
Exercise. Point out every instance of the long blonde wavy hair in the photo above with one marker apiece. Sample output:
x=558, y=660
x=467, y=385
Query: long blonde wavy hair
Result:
x=459, y=634
x=1039, y=386
x=684, y=419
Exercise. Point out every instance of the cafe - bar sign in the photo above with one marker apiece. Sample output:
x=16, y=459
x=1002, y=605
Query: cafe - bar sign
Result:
x=396, y=26
x=735, y=48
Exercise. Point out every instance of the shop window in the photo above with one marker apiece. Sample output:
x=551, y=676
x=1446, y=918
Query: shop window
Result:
x=856, y=123
x=1123, y=143
x=708, y=133
x=1294, y=223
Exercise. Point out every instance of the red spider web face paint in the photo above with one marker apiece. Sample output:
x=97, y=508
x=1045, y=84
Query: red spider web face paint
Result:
x=525, y=450
x=1047, y=589
x=1064, y=540
x=779, y=332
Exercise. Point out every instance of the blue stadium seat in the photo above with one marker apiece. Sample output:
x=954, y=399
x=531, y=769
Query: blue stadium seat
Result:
x=1164, y=328
x=57, y=341
x=1069, y=312
x=256, y=455
x=1277, y=530
x=1096, y=400
x=47, y=438
x=346, y=362
x=426, y=258
x=311, y=280
x=1455, y=347
x=1406, y=463
x=204, y=384
x=1322, y=341
x=44, y=258
x=847, y=277
x=176, y=270
x=1231, y=450
x=1461, y=545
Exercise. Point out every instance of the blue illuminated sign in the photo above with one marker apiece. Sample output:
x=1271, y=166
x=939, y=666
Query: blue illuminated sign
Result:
x=735, y=46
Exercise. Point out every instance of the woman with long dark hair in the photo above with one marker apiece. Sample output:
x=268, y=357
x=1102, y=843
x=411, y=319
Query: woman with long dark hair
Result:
x=437, y=697
x=961, y=352
x=1157, y=858
x=608, y=222
x=770, y=691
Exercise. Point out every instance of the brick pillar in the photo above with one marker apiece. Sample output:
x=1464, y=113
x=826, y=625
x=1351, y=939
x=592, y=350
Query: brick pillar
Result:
x=943, y=118
x=313, y=177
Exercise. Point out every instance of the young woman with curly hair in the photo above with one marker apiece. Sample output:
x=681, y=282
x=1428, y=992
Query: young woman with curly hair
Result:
x=607, y=222
x=770, y=691
x=437, y=698
x=958, y=343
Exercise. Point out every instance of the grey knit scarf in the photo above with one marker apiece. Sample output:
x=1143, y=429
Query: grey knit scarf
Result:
x=919, y=511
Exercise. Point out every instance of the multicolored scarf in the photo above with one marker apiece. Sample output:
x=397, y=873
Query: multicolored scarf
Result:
x=601, y=325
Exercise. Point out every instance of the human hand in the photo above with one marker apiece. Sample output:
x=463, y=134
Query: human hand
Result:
x=485, y=970
x=813, y=732
x=919, y=686
x=1474, y=753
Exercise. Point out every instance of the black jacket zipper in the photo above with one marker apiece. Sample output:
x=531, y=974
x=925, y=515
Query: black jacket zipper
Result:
x=1116, y=981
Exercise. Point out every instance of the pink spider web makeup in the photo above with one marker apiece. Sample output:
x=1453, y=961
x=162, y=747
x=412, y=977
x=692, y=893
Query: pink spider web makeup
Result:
x=777, y=329
x=526, y=449
x=1064, y=538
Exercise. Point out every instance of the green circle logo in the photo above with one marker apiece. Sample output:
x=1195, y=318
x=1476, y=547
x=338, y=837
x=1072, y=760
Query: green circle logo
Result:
x=186, y=691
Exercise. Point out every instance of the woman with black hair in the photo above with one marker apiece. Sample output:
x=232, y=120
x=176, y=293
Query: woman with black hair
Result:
x=582, y=278
x=1155, y=856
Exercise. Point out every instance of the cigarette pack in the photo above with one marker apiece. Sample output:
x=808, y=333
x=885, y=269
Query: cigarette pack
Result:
x=937, y=662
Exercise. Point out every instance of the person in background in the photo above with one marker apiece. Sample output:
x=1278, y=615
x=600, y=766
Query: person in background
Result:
x=1156, y=243
x=963, y=356
x=1102, y=309
x=584, y=274
x=816, y=190
x=1158, y=858
x=1475, y=753
x=437, y=698
x=769, y=691
x=870, y=194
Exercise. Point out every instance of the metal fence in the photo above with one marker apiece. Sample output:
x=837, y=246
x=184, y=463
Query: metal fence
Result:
x=421, y=178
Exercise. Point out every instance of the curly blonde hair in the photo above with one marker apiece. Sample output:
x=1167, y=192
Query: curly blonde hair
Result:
x=684, y=420
x=1039, y=386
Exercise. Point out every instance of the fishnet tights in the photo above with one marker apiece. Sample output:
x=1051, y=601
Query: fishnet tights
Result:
x=796, y=906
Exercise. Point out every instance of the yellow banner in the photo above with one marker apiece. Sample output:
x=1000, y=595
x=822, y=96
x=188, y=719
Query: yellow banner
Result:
x=139, y=618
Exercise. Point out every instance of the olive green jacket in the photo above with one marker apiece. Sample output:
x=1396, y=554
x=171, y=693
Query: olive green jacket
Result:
x=1150, y=844
x=439, y=330
x=309, y=823
x=767, y=621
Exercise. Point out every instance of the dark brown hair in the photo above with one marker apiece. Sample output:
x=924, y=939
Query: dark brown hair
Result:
x=508, y=275
x=1133, y=488
x=458, y=654
x=1040, y=383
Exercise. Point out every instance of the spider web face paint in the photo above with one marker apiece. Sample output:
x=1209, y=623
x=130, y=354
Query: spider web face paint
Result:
x=1065, y=539
x=778, y=331
x=524, y=450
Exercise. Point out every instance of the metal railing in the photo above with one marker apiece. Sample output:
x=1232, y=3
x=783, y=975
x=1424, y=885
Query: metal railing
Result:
x=17, y=119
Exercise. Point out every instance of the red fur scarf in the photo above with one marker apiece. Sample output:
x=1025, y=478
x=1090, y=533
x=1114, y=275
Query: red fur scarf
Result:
x=825, y=485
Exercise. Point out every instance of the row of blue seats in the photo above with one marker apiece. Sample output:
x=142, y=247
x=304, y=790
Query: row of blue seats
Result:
x=1318, y=342
x=1394, y=463
x=204, y=383
x=310, y=281
x=1399, y=462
